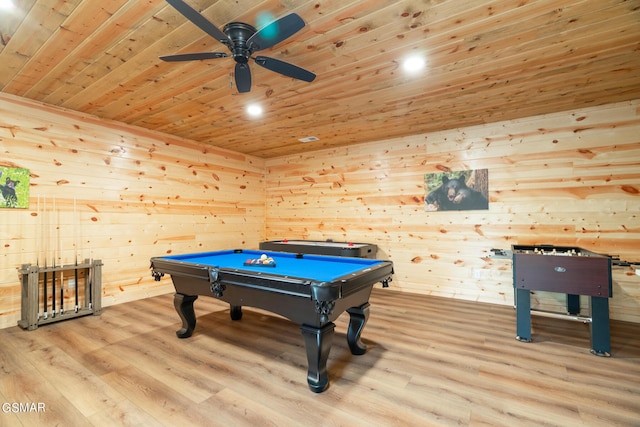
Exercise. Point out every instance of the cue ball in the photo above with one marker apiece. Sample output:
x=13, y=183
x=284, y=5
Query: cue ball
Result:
x=263, y=257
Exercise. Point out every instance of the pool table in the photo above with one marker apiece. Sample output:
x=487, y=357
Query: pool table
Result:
x=310, y=290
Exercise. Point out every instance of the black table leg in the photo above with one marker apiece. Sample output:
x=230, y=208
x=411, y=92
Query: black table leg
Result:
x=184, y=307
x=318, y=344
x=357, y=319
x=600, y=333
x=573, y=304
x=236, y=312
x=523, y=315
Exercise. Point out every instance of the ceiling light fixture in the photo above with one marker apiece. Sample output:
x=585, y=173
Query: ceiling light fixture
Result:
x=309, y=139
x=413, y=64
x=6, y=5
x=254, y=110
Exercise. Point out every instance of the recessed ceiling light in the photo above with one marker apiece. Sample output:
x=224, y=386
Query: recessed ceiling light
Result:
x=309, y=139
x=254, y=110
x=6, y=5
x=413, y=64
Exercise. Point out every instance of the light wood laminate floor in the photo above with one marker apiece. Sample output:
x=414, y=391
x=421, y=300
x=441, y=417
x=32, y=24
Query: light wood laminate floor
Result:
x=431, y=361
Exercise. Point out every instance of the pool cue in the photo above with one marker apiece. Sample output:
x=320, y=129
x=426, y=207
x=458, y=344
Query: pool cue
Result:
x=75, y=248
x=53, y=278
x=45, y=248
x=60, y=257
x=45, y=296
x=38, y=229
x=61, y=290
x=39, y=254
x=76, y=282
x=90, y=277
x=53, y=290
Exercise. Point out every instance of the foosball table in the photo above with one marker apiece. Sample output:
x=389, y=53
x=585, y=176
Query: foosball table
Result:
x=568, y=270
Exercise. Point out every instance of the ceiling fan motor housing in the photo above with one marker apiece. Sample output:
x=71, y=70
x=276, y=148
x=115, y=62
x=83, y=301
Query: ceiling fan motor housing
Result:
x=239, y=33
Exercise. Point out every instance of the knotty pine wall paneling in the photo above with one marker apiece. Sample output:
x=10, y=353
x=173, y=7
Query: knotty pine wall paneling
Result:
x=570, y=178
x=122, y=194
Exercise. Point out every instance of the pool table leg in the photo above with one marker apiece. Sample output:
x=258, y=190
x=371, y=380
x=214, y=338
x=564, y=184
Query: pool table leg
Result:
x=184, y=307
x=236, y=312
x=357, y=319
x=318, y=344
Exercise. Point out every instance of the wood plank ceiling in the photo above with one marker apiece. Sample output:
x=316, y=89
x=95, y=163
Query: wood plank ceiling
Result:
x=487, y=60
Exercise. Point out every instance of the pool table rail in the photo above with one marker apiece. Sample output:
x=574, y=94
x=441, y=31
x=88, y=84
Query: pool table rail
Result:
x=218, y=277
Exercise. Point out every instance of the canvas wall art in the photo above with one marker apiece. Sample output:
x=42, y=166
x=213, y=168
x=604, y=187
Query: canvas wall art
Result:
x=457, y=190
x=14, y=187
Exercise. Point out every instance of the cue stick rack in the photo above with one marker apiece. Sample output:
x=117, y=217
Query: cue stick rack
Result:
x=40, y=307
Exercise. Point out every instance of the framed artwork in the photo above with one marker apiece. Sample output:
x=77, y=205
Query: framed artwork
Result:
x=457, y=190
x=14, y=187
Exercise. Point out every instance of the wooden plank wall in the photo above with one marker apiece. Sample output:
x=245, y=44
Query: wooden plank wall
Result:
x=566, y=179
x=122, y=195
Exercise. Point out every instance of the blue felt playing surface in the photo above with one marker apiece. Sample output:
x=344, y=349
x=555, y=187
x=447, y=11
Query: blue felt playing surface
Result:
x=315, y=267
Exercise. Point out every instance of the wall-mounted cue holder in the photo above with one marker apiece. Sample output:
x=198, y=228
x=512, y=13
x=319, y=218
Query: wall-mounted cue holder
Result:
x=52, y=294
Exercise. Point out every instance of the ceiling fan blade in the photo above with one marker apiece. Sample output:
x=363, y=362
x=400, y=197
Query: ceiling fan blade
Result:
x=275, y=32
x=203, y=23
x=193, y=56
x=243, y=77
x=285, y=68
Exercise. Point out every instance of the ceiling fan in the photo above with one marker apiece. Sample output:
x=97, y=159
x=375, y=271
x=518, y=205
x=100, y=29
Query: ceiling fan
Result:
x=243, y=40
